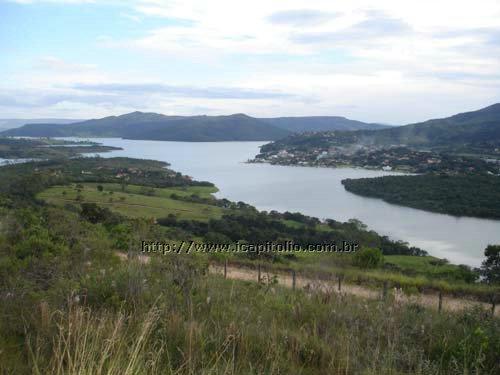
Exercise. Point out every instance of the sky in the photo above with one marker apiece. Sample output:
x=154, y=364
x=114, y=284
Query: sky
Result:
x=385, y=61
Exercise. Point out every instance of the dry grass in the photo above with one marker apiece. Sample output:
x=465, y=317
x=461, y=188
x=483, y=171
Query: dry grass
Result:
x=102, y=344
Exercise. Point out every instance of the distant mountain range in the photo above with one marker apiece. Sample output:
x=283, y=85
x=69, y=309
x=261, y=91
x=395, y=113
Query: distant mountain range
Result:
x=475, y=128
x=15, y=123
x=153, y=126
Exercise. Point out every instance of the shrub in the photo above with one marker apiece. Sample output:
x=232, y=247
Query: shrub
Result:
x=368, y=258
x=96, y=214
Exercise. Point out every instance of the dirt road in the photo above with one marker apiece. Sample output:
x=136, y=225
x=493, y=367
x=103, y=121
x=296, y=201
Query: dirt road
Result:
x=426, y=300
x=286, y=280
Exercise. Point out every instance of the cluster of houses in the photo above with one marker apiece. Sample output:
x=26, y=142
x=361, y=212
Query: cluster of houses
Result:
x=386, y=158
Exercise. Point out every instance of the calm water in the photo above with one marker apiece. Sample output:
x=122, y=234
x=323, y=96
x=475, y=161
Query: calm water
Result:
x=316, y=192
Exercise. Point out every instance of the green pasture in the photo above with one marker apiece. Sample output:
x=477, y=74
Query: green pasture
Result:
x=137, y=201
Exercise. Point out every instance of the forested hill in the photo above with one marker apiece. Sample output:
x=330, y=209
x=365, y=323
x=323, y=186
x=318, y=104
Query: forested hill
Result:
x=321, y=123
x=473, y=128
x=479, y=129
x=477, y=132
x=153, y=126
x=16, y=123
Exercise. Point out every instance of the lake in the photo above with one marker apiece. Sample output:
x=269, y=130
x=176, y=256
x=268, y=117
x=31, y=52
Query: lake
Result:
x=315, y=192
x=15, y=161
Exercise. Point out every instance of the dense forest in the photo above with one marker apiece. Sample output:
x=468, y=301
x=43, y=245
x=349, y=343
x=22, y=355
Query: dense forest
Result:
x=249, y=225
x=459, y=195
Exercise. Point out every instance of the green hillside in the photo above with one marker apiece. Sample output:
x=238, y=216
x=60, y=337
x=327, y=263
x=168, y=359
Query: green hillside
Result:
x=477, y=127
x=472, y=132
x=320, y=123
x=135, y=201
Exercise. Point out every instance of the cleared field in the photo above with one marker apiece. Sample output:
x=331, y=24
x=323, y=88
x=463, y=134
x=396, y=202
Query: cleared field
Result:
x=201, y=191
x=428, y=265
x=137, y=201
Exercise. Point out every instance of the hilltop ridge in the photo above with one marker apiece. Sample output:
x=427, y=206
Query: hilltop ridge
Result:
x=154, y=126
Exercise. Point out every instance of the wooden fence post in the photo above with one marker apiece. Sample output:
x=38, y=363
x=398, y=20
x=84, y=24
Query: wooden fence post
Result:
x=225, y=268
x=440, y=303
x=294, y=280
x=493, y=304
x=258, y=272
x=339, y=286
x=384, y=291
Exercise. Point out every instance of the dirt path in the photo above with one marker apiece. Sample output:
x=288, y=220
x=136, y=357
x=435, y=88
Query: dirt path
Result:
x=286, y=280
x=426, y=300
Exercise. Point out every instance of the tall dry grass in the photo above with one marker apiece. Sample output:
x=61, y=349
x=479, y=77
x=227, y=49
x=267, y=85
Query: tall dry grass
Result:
x=183, y=322
x=85, y=343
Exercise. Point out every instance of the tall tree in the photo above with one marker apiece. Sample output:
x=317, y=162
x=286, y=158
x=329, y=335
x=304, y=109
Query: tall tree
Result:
x=490, y=267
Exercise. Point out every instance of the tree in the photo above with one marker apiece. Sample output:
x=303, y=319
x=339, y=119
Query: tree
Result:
x=466, y=273
x=368, y=257
x=95, y=214
x=490, y=268
x=358, y=224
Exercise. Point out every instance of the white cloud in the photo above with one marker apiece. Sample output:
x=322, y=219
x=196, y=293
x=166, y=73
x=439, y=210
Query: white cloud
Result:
x=386, y=60
x=62, y=66
x=300, y=17
x=390, y=34
x=54, y=1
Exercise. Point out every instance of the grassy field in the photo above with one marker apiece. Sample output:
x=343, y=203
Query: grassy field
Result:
x=427, y=265
x=137, y=201
x=201, y=191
